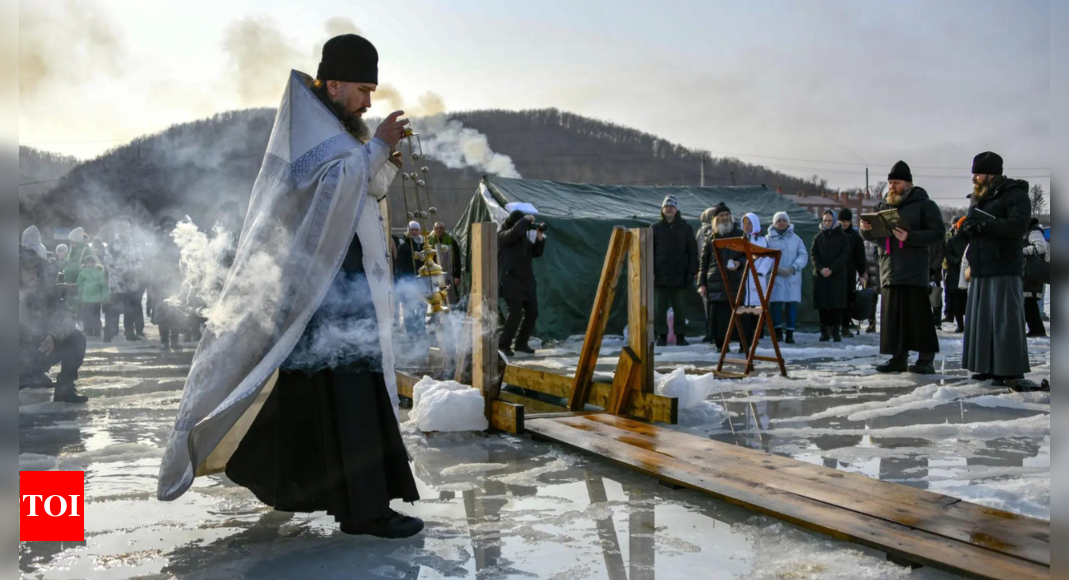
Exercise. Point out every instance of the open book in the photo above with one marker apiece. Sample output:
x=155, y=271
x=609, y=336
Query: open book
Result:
x=884, y=223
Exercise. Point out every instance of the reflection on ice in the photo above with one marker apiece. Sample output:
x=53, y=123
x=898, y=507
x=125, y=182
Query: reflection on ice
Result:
x=506, y=507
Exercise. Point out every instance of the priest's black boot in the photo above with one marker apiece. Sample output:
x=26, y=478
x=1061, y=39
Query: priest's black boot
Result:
x=662, y=340
x=837, y=334
x=895, y=365
x=825, y=336
x=392, y=527
x=524, y=349
x=923, y=367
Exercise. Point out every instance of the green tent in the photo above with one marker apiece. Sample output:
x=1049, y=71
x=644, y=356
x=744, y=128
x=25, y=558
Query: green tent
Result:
x=581, y=218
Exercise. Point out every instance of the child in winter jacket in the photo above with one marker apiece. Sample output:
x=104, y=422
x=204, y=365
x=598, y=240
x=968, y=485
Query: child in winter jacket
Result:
x=92, y=293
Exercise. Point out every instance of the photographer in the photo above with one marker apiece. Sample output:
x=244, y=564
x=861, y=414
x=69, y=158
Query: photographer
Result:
x=48, y=334
x=520, y=241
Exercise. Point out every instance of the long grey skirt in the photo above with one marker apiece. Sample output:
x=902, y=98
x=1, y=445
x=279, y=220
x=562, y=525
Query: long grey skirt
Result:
x=995, y=340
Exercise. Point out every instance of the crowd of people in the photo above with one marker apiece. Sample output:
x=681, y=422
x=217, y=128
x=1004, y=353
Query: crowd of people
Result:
x=84, y=288
x=986, y=274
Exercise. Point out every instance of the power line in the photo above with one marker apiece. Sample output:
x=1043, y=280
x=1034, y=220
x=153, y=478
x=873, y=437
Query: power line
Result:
x=40, y=182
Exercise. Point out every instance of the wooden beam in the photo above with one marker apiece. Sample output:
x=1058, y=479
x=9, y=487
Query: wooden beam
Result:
x=405, y=383
x=599, y=317
x=639, y=304
x=483, y=311
x=545, y=382
x=532, y=405
x=648, y=406
x=507, y=417
x=626, y=377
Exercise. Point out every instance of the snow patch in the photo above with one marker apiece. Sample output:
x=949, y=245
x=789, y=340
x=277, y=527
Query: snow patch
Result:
x=447, y=406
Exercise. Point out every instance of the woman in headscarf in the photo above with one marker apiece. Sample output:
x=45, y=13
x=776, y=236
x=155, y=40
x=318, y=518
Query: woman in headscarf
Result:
x=787, y=291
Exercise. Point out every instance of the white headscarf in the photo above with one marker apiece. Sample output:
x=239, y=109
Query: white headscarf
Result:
x=32, y=238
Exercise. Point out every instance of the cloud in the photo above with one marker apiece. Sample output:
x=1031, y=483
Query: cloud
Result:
x=65, y=41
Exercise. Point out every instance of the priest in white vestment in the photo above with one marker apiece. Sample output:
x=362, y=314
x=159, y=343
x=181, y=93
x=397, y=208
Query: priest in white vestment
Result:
x=292, y=391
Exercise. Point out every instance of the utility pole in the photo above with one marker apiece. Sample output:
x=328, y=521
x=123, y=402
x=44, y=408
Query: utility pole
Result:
x=703, y=169
x=867, y=190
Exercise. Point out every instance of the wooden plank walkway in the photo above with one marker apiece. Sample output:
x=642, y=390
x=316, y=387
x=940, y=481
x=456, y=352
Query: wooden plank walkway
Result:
x=908, y=524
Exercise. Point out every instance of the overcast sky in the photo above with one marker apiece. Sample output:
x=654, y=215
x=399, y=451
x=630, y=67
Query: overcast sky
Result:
x=804, y=86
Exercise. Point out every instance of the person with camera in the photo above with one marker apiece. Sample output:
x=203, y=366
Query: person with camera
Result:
x=48, y=332
x=519, y=242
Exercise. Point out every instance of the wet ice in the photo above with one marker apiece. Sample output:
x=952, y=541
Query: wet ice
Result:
x=507, y=507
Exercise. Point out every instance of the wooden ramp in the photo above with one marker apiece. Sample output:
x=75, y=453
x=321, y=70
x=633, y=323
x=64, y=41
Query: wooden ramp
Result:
x=910, y=525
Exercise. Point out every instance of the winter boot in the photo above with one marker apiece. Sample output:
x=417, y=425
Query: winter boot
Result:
x=35, y=381
x=845, y=333
x=395, y=526
x=982, y=377
x=872, y=328
x=524, y=349
x=66, y=393
x=682, y=341
x=837, y=333
x=1045, y=386
x=825, y=334
x=1024, y=386
x=937, y=318
x=895, y=365
x=790, y=337
x=923, y=367
x=662, y=340
x=961, y=325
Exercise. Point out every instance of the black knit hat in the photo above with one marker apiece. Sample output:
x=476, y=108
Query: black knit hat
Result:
x=720, y=208
x=349, y=58
x=846, y=215
x=987, y=163
x=900, y=172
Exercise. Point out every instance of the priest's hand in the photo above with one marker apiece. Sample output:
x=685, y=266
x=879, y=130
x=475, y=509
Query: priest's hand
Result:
x=392, y=129
x=901, y=234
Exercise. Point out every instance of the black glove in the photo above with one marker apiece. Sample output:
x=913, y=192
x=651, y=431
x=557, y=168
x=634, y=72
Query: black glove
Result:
x=971, y=227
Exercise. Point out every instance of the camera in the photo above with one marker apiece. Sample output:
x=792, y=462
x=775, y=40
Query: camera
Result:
x=541, y=226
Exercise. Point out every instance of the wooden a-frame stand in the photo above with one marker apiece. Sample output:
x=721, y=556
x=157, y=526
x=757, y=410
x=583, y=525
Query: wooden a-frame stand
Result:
x=631, y=391
x=738, y=303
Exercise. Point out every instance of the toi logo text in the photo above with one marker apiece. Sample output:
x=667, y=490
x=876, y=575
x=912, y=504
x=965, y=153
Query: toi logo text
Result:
x=52, y=506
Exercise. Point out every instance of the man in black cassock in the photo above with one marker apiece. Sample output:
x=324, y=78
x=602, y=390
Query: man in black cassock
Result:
x=905, y=259
x=327, y=438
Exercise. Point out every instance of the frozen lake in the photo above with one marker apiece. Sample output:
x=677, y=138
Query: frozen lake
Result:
x=505, y=507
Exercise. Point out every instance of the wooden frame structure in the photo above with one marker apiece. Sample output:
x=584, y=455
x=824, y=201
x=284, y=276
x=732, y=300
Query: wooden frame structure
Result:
x=737, y=302
x=631, y=391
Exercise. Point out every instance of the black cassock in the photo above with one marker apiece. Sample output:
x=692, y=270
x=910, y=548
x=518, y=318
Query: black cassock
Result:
x=327, y=440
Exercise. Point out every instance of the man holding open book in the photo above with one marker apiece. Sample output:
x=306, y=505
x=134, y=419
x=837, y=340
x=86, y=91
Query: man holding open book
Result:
x=906, y=224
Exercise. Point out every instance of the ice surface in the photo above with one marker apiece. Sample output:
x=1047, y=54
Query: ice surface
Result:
x=447, y=406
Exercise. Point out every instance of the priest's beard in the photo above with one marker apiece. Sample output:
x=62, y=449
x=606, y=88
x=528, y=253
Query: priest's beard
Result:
x=980, y=190
x=353, y=124
x=895, y=198
x=723, y=228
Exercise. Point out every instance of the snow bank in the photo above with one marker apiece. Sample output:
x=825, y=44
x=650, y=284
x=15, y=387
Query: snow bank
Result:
x=692, y=392
x=447, y=406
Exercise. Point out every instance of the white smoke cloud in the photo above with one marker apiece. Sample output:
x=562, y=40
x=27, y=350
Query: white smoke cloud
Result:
x=457, y=147
x=254, y=292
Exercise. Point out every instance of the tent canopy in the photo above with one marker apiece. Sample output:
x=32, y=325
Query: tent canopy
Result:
x=581, y=218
